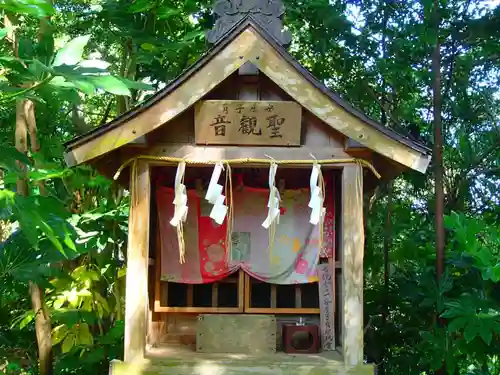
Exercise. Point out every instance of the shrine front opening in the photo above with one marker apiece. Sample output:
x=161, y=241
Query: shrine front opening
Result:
x=248, y=277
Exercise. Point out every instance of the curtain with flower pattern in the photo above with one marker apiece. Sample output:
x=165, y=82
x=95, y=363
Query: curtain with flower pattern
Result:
x=291, y=258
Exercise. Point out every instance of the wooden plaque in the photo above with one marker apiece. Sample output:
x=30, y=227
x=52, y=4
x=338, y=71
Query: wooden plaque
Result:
x=326, y=297
x=240, y=122
x=236, y=333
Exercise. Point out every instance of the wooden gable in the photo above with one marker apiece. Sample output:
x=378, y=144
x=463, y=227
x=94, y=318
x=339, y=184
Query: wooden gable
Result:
x=330, y=122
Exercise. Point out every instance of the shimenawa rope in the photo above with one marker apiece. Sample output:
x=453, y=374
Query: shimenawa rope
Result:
x=229, y=192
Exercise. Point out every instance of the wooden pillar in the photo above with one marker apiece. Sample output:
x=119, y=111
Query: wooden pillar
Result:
x=136, y=295
x=352, y=264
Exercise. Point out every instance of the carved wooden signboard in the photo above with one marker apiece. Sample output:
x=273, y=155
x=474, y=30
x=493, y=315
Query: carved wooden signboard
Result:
x=326, y=297
x=237, y=122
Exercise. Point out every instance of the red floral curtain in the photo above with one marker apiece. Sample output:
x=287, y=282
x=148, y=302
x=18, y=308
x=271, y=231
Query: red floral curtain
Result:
x=291, y=259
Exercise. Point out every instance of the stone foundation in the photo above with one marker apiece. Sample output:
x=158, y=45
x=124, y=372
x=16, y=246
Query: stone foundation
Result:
x=166, y=361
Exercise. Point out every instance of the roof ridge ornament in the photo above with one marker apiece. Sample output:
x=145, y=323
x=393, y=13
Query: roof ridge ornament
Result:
x=268, y=13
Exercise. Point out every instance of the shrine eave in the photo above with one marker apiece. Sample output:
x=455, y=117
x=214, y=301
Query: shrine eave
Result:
x=413, y=154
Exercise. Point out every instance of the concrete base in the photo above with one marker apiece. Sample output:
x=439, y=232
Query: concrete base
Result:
x=169, y=361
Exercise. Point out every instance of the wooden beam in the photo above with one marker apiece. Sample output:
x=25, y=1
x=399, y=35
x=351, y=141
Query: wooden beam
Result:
x=242, y=292
x=136, y=297
x=352, y=237
x=158, y=286
x=217, y=153
x=298, y=297
x=197, y=310
x=283, y=310
x=190, y=295
x=215, y=294
x=274, y=295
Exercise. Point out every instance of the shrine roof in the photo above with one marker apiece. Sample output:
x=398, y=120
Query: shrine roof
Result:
x=246, y=41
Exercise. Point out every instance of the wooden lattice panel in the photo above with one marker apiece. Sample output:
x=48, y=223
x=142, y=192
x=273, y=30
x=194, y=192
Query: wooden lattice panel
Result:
x=235, y=333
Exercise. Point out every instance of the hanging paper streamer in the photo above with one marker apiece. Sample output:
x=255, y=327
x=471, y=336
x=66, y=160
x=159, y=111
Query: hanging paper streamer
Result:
x=214, y=196
x=180, y=198
x=317, y=196
x=273, y=204
x=181, y=208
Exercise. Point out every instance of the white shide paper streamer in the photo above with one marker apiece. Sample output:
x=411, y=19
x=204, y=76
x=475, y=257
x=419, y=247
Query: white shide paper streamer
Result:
x=180, y=197
x=317, y=198
x=273, y=204
x=215, y=197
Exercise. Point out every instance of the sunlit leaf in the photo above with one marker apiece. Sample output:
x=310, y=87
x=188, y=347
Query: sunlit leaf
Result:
x=27, y=319
x=68, y=343
x=71, y=53
x=98, y=64
x=122, y=272
x=60, y=81
x=148, y=46
x=59, y=333
x=59, y=302
x=84, y=336
x=84, y=86
x=100, y=299
x=37, y=8
x=4, y=32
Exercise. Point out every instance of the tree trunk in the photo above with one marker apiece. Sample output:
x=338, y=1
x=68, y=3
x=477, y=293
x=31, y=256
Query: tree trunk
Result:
x=43, y=328
x=387, y=246
x=26, y=124
x=438, y=156
x=438, y=149
x=25, y=120
x=43, y=325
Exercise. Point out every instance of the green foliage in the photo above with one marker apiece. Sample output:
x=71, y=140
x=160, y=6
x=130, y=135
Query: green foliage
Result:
x=68, y=70
x=37, y=8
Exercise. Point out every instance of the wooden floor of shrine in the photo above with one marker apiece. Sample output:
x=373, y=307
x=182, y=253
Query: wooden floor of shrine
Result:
x=180, y=360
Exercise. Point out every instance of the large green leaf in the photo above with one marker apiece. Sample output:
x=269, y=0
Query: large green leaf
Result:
x=84, y=86
x=167, y=12
x=61, y=82
x=84, y=336
x=38, y=69
x=59, y=333
x=4, y=31
x=45, y=48
x=9, y=156
x=136, y=85
x=72, y=52
x=37, y=8
x=68, y=343
x=110, y=84
x=26, y=49
x=141, y=6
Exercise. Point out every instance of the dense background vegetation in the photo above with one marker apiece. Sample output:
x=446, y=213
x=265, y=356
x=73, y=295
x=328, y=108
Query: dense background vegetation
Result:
x=76, y=64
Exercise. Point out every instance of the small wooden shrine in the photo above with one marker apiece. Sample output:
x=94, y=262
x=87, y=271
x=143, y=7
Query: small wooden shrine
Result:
x=246, y=175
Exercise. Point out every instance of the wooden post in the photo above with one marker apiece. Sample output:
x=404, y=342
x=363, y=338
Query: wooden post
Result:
x=136, y=302
x=352, y=264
